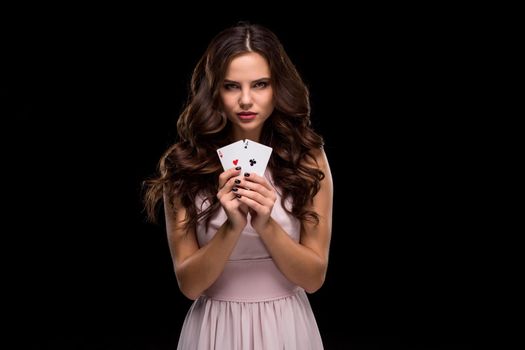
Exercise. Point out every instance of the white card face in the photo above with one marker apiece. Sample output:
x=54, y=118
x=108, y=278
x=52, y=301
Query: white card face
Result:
x=251, y=156
x=231, y=155
x=255, y=158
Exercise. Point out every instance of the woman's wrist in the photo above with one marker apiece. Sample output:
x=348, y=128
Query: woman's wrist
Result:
x=267, y=228
x=231, y=229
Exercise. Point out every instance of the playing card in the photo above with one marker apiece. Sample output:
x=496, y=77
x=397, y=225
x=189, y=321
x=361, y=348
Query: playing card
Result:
x=231, y=155
x=255, y=157
x=251, y=156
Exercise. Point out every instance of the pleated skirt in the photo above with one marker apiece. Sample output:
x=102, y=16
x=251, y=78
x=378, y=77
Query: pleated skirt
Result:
x=284, y=323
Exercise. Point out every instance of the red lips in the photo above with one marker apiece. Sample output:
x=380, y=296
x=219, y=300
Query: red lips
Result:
x=247, y=115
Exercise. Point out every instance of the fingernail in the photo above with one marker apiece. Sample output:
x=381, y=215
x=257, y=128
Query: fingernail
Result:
x=237, y=168
x=246, y=174
x=237, y=181
x=234, y=189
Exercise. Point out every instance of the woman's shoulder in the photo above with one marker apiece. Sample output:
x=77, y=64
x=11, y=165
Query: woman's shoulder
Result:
x=317, y=158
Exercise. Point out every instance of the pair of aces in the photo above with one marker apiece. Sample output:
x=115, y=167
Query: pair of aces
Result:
x=252, y=156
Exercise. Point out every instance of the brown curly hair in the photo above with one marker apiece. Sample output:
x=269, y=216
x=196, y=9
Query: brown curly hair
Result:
x=190, y=167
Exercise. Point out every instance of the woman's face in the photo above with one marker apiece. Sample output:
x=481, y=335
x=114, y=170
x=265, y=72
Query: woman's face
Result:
x=247, y=95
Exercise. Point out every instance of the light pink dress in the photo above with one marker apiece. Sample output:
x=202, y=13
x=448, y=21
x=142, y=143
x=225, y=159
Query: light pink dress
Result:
x=251, y=306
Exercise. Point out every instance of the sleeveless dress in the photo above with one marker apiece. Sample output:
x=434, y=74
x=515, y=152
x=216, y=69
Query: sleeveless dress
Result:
x=252, y=305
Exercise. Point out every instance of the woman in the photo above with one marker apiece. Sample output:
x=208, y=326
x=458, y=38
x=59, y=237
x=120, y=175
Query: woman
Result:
x=246, y=247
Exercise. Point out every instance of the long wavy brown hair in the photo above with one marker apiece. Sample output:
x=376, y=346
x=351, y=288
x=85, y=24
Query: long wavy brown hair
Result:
x=191, y=168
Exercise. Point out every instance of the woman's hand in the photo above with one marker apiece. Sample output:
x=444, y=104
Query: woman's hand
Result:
x=259, y=196
x=235, y=210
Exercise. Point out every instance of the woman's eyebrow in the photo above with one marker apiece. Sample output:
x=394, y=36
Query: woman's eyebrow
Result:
x=254, y=81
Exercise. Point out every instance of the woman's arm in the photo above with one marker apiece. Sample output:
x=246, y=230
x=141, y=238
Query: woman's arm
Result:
x=304, y=263
x=197, y=267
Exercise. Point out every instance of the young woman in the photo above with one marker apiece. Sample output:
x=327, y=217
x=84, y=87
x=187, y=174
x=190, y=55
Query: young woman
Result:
x=246, y=247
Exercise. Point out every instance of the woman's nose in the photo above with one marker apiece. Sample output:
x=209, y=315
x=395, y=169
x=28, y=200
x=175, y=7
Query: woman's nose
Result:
x=245, y=99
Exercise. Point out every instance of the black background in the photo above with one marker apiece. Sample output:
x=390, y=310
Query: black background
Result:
x=93, y=102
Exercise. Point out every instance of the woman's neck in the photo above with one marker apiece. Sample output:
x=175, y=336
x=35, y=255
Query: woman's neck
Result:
x=254, y=136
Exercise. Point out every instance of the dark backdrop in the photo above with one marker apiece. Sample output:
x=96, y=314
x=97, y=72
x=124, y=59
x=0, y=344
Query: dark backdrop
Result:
x=95, y=100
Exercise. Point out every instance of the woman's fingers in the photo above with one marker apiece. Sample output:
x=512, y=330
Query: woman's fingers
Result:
x=264, y=209
x=258, y=184
x=225, y=176
x=227, y=180
x=255, y=196
x=256, y=192
x=248, y=190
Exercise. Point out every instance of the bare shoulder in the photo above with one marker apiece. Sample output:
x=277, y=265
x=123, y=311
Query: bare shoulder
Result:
x=175, y=214
x=319, y=160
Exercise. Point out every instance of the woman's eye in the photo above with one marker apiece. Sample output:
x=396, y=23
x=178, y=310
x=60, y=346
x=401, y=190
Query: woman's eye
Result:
x=230, y=86
x=261, y=84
